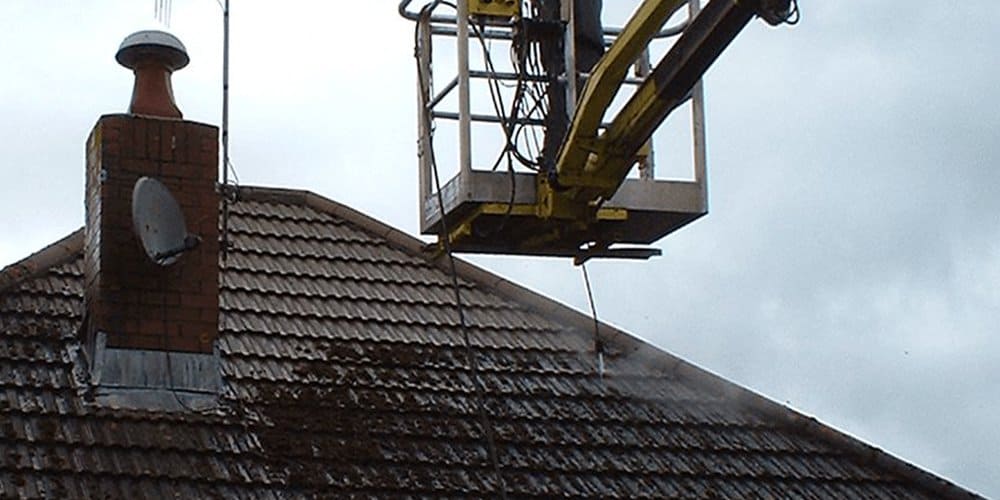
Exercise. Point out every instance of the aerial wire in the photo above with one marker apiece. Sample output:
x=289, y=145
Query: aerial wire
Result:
x=229, y=193
x=794, y=14
x=471, y=358
x=598, y=344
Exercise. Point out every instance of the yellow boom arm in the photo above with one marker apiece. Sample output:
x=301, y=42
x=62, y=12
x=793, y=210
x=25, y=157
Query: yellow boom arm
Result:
x=592, y=165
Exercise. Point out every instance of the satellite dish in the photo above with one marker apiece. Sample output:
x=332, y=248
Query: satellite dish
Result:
x=159, y=222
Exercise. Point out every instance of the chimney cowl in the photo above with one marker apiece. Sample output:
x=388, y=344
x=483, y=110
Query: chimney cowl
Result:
x=153, y=56
x=155, y=43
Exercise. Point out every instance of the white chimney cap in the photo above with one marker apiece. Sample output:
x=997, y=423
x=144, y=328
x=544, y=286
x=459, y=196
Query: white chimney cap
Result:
x=152, y=43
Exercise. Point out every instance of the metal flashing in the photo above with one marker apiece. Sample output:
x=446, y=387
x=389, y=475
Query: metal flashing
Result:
x=154, y=380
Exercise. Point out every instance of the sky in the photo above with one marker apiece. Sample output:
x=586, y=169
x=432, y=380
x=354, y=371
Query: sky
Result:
x=850, y=263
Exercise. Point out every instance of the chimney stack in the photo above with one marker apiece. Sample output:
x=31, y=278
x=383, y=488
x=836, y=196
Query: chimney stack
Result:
x=151, y=328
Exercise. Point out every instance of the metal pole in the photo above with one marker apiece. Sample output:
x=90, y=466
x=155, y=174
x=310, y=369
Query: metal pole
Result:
x=647, y=169
x=464, y=113
x=225, y=97
x=224, y=191
x=569, y=46
x=425, y=90
x=698, y=121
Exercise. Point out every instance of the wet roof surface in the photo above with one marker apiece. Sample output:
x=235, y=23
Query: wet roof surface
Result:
x=345, y=375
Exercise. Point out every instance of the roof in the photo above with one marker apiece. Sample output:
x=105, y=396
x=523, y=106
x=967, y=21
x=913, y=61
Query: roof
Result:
x=345, y=375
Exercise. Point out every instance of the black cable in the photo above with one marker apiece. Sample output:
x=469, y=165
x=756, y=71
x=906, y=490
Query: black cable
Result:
x=471, y=359
x=540, y=92
x=498, y=106
x=527, y=65
x=510, y=148
x=773, y=16
x=538, y=104
x=512, y=176
x=598, y=345
x=519, y=60
x=794, y=15
x=230, y=193
x=173, y=390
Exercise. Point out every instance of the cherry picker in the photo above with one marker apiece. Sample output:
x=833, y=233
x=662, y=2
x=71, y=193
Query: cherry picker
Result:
x=572, y=196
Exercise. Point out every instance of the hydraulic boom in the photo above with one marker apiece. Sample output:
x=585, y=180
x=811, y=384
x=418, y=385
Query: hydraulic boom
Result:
x=591, y=165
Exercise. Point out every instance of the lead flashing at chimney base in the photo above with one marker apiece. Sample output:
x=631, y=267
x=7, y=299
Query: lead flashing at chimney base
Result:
x=151, y=379
x=151, y=329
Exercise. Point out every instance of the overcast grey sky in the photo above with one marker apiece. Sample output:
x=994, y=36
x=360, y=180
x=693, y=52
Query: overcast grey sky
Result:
x=849, y=265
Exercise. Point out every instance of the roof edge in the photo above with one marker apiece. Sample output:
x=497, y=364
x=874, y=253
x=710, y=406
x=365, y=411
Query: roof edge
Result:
x=629, y=344
x=41, y=261
x=798, y=422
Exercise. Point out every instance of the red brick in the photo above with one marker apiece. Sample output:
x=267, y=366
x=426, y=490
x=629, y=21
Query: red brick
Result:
x=185, y=344
x=210, y=314
x=181, y=145
x=168, y=140
x=154, y=137
x=139, y=302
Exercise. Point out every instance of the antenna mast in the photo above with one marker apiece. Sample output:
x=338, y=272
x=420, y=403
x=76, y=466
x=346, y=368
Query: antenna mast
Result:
x=227, y=194
x=225, y=94
x=162, y=10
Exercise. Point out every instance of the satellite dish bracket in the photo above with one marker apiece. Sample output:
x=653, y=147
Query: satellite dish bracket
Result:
x=159, y=222
x=191, y=241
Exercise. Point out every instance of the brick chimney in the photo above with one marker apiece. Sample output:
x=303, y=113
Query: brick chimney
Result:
x=151, y=327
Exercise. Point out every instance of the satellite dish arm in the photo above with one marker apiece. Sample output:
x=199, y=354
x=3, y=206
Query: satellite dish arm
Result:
x=191, y=242
x=595, y=162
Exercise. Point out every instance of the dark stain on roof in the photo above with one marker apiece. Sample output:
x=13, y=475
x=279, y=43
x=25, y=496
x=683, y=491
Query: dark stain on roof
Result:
x=344, y=376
